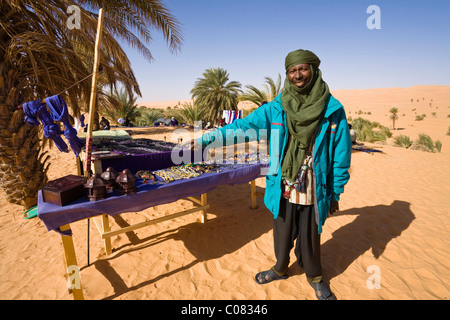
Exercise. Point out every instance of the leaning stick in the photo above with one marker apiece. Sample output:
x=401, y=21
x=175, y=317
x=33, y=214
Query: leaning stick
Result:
x=92, y=103
x=93, y=100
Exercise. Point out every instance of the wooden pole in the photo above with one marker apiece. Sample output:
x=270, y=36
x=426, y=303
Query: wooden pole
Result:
x=93, y=100
x=71, y=264
x=92, y=109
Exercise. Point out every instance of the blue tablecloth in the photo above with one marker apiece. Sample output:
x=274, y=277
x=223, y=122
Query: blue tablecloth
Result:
x=148, y=195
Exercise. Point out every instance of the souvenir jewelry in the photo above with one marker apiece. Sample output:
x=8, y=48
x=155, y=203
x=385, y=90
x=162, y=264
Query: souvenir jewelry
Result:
x=145, y=175
x=184, y=172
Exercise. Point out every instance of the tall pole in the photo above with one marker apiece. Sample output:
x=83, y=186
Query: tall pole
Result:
x=93, y=100
x=92, y=105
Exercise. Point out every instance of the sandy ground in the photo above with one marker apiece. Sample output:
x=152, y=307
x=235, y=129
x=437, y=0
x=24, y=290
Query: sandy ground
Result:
x=392, y=228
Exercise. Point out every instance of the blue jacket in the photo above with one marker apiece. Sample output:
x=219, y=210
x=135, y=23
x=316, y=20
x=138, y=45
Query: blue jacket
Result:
x=331, y=151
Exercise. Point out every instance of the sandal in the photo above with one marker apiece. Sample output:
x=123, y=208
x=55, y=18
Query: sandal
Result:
x=269, y=275
x=322, y=291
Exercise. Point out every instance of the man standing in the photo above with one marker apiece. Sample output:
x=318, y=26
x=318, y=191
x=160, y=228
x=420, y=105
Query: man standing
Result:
x=308, y=169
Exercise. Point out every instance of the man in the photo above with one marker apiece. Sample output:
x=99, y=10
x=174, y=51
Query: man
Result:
x=104, y=124
x=308, y=168
x=352, y=134
x=173, y=122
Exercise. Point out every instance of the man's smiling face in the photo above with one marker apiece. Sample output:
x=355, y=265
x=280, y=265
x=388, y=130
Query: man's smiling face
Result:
x=300, y=75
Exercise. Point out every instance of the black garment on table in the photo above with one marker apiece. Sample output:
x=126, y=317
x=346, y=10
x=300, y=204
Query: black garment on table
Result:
x=297, y=222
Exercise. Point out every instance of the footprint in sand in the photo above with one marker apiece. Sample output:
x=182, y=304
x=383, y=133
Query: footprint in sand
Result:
x=215, y=269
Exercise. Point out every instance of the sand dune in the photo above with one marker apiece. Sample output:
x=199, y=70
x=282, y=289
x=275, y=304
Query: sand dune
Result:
x=394, y=219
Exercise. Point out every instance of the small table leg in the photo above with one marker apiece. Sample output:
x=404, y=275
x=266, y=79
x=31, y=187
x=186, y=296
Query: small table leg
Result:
x=253, y=193
x=204, y=202
x=72, y=269
x=106, y=228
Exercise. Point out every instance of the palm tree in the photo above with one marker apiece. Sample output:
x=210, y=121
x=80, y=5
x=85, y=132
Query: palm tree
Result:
x=393, y=116
x=127, y=107
x=215, y=93
x=149, y=116
x=257, y=96
x=40, y=56
x=191, y=112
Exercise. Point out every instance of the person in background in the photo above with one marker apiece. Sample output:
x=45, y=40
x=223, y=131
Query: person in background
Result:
x=127, y=122
x=79, y=122
x=352, y=134
x=104, y=124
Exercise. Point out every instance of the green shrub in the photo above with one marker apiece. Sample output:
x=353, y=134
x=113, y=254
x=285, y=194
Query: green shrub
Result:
x=438, y=145
x=364, y=131
x=148, y=116
x=402, y=141
x=374, y=136
x=361, y=127
x=359, y=123
x=426, y=141
x=423, y=143
x=385, y=131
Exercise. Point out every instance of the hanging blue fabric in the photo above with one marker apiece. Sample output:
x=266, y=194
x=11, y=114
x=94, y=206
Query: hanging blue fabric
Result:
x=35, y=111
x=59, y=112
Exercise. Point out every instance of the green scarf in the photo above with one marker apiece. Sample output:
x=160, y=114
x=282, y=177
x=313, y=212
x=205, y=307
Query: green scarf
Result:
x=304, y=109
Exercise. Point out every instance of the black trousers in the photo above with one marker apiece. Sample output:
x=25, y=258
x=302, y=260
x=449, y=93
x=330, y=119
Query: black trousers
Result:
x=297, y=222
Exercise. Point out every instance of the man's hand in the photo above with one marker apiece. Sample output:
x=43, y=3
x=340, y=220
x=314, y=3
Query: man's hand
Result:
x=334, y=206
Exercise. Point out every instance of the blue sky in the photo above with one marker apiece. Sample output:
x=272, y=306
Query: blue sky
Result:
x=251, y=38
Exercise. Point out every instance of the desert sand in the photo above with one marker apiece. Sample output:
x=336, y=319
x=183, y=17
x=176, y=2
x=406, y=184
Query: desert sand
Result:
x=393, y=224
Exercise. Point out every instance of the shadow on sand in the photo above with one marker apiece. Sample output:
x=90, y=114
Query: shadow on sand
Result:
x=222, y=235
x=373, y=228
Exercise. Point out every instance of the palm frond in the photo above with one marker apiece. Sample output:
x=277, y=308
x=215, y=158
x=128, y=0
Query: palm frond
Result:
x=214, y=92
x=257, y=96
x=191, y=112
x=148, y=117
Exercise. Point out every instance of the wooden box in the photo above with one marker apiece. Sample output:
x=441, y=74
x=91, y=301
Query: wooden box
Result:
x=64, y=190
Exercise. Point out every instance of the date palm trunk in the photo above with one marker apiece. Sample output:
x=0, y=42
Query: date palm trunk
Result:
x=23, y=164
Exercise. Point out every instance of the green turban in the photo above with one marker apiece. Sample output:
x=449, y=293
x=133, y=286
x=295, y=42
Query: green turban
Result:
x=304, y=108
x=301, y=56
